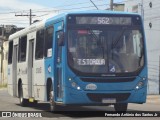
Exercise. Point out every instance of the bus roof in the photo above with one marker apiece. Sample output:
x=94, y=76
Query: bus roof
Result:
x=88, y=12
x=28, y=29
x=99, y=12
x=43, y=23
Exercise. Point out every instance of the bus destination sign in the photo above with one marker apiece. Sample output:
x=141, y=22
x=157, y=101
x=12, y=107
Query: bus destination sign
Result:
x=104, y=20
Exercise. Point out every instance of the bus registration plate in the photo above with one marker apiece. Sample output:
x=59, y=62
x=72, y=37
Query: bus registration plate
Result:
x=108, y=100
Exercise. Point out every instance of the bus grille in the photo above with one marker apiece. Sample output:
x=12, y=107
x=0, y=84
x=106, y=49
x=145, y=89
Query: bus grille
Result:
x=108, y=80
x=97, y=97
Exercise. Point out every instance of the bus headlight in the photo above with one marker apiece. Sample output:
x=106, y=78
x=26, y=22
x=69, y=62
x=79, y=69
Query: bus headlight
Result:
x=139, y=85
x=69, y=79
x=74, y=84
x=78, y=88
x=144, y=78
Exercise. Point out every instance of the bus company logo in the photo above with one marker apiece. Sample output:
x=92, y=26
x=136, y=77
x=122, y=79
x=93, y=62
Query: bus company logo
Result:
x=6, y=114
x=21, y=114
x=91, y=86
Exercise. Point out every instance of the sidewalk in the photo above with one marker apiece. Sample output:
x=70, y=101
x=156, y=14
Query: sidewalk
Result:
x=153, y=99
x=3, y=88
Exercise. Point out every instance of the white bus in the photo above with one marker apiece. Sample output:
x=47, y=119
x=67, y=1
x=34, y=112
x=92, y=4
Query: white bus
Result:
x=26, y=65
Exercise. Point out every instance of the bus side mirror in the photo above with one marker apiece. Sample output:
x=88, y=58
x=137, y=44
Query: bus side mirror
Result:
x=60, y=38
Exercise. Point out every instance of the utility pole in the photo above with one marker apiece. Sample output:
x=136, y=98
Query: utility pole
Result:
x=2, y=39
x=159, y=75
x=30, y=16
x=142, y=10
x=111, y=5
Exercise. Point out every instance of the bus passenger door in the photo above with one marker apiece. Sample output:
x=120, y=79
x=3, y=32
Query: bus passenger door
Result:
x=14, y=68
x=59, y=67
x=30, y=67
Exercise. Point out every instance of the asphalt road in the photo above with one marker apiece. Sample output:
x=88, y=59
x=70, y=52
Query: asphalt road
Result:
x=9, y=103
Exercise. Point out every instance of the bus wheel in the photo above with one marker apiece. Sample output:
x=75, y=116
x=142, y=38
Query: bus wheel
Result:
x=33, y=103
x=121, y=107
x=23, y=102
x=53, y=106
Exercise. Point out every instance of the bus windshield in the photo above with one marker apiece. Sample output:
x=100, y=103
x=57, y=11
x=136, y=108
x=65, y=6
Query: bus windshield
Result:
x=105, y=50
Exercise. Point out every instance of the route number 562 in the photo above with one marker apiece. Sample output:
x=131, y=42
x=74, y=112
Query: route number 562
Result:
x=103, y=20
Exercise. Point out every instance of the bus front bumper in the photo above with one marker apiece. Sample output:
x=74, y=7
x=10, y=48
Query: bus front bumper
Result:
x=81, y=97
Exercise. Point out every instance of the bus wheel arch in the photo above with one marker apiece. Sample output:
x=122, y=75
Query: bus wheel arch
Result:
x=50, y=96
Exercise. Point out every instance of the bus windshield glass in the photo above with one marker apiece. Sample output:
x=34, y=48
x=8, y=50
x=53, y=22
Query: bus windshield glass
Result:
x=97, y=49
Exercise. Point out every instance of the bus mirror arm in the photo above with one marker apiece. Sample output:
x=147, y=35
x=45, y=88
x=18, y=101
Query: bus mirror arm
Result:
x=61, y=39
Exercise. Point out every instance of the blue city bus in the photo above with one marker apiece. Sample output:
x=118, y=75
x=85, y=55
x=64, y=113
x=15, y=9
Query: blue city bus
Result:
x=101, y=59
x=91, y=58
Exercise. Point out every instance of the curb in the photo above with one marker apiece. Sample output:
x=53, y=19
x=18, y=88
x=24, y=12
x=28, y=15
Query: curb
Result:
x=154, y=99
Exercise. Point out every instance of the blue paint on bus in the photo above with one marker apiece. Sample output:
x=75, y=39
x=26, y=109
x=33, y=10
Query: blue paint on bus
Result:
x=77, y=88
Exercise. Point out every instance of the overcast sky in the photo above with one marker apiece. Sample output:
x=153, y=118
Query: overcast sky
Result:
x=43, y=8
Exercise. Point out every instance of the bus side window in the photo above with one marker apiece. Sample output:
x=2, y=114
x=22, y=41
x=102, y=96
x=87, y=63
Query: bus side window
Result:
x=10, y=52
x=48, y=41
x=39, y=44
x=22, y=49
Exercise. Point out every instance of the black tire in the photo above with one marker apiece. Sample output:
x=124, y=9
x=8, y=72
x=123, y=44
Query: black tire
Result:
x=33, y=103
x=23, y=102
x=53, y=106
x=121, y=107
